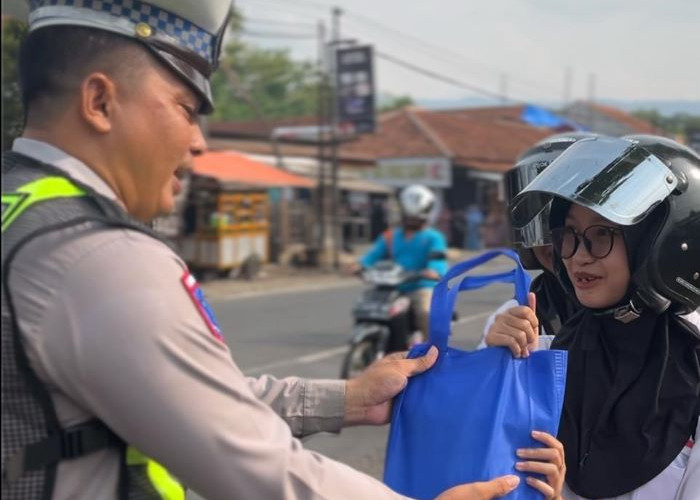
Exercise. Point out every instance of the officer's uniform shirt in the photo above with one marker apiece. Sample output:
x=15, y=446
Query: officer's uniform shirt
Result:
x=110, y=328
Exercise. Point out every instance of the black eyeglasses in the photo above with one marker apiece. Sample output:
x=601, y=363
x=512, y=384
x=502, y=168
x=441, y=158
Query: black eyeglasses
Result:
x=597, y=239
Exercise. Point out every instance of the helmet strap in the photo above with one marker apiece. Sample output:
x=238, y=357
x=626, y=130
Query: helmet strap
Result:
x=627, y=313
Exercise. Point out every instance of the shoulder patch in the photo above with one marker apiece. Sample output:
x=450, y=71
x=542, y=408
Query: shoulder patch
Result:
x=205, y=310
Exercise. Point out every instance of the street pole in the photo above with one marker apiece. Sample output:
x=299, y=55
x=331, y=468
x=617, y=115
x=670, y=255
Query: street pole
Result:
x=321, y=137
x=335, y=37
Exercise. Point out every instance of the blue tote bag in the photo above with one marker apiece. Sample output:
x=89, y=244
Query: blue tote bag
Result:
x=463, y=420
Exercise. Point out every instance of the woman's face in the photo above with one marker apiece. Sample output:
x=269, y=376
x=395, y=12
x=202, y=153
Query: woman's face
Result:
x=598, y=282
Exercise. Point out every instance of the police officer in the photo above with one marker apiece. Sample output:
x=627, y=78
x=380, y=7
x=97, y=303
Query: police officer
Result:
x=115, y=379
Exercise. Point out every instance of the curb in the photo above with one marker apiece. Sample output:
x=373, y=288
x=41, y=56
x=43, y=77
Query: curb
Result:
x=276, y=279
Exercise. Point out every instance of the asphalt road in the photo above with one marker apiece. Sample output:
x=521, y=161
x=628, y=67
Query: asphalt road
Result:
x=303, y=332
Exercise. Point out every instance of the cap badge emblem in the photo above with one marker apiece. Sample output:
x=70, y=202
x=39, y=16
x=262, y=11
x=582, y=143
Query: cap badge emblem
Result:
x=143, y=30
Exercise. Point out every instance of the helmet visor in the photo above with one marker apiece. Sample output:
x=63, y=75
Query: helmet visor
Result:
x=536, y=231
x=615, y=178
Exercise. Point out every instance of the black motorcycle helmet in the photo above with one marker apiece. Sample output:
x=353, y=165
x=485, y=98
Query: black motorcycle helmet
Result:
x=650, y=185
x=667, y=271
x=528, y=165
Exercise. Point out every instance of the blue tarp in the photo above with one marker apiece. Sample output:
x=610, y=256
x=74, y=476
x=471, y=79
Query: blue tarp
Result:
x=541, y=117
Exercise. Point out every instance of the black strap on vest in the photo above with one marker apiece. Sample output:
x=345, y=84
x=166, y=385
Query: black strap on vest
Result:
x=87, y=437
x=71, y=442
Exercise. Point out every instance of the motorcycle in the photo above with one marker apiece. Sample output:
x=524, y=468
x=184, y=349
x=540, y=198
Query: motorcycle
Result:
x=383, y=318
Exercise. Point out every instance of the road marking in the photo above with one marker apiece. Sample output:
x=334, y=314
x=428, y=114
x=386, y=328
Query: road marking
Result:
x=301, y=360
x=329, y=353
x=473, y=317
x=283, y=290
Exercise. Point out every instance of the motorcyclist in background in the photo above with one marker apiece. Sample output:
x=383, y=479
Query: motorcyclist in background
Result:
x=415, y=246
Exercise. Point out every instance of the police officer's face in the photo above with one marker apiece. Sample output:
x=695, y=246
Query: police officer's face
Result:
x=160, y=134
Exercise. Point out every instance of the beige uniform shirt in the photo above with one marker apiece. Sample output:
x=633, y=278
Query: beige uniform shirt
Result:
x=111, y=330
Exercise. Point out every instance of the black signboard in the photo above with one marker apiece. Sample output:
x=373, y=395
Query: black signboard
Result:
x=355, y=88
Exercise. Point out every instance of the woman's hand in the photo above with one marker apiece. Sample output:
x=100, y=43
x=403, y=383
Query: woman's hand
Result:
x=517, y=328
x=548, y=461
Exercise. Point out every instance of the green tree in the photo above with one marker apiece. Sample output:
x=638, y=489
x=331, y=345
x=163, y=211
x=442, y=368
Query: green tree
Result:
x=257, y=83
x=13, y=32
x=262, y=83
x=676, y=124
x=396, y=102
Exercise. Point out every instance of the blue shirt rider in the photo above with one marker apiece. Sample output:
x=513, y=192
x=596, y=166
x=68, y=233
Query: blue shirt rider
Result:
x=415, y=247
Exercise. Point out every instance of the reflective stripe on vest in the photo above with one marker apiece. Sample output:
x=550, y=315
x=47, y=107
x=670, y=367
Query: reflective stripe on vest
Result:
x=47, y=188
x=166, y=485
x=15, y=204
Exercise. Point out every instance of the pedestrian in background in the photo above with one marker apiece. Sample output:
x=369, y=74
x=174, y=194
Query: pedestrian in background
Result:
x=474, y=219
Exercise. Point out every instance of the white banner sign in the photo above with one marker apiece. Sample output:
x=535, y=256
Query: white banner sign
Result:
x=400, y=172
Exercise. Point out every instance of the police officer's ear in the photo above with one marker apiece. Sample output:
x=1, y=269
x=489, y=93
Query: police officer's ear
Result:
x=97, y=101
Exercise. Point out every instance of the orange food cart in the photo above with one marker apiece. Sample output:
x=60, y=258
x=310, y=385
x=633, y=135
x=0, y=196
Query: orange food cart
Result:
x=226, y=217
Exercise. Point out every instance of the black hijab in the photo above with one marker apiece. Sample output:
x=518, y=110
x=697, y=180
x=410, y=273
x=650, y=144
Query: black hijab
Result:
x=554, y=306
x=631, y=399
x=633, y=390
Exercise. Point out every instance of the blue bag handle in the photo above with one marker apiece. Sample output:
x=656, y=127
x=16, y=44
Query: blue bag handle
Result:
x=444, y=297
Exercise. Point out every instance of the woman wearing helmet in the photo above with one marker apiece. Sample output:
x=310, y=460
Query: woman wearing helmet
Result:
x=416, y=247
x=534, y=246
x=625, y=225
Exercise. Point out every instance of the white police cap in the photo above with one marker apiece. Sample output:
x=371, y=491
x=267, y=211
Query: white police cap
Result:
x=185, y=35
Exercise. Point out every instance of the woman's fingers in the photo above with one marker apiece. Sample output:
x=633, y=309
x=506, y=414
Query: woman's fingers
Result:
x=545, y=468
x=541, y=454
x=517, y=328
x=547, y=439
x=542, y=487
x=500, y=339
x=548, y=461
x=554, y=451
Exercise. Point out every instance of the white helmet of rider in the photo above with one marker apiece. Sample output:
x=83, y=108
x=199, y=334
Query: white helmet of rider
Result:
x=417, y=201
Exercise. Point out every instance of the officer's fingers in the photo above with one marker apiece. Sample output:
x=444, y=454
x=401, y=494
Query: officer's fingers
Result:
x=542, y=487
x=418, y=365
x=482, y=491
x=396, y=355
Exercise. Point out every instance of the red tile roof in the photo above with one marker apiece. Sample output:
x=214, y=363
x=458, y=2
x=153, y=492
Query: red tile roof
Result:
x=231, y=166
x=487, y=139
x=639, y=125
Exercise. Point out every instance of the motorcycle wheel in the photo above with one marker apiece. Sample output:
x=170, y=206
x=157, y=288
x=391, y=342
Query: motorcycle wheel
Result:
x=359, y=357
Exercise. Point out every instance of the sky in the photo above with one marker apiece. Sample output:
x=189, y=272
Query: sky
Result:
x=525, y=49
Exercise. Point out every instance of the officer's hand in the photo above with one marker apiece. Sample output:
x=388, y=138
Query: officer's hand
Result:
x=481, y=491
x=517, y=328
x=368, y=397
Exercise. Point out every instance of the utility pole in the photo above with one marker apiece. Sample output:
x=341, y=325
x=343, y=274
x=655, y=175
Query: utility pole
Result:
x=335, y=38
x=567, y=86
x=592, y=116
x=321, y=110
x=504, y=88
x=591, y=87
